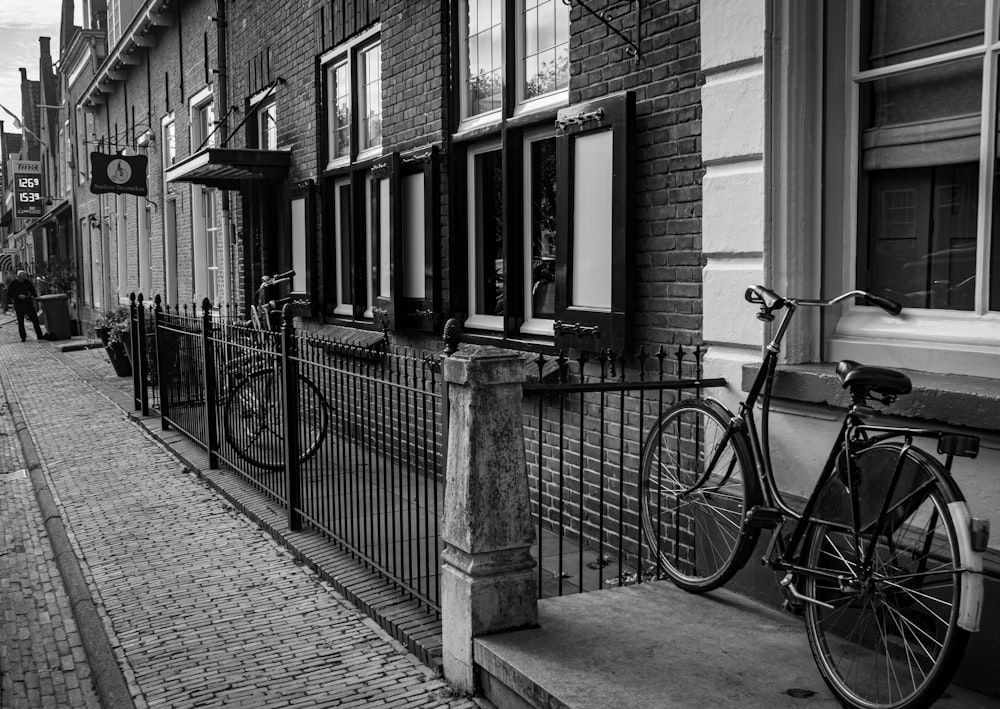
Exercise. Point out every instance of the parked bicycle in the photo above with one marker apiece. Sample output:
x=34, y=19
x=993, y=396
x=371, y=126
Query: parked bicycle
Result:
x=883, y=559
x=253, y=416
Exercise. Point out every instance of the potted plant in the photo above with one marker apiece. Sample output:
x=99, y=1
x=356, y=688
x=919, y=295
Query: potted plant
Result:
x=112, y=328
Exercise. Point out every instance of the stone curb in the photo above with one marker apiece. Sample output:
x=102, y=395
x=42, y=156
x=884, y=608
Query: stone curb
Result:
x=109, y=681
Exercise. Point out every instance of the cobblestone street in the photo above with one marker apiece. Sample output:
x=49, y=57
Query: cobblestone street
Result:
x=201, y=608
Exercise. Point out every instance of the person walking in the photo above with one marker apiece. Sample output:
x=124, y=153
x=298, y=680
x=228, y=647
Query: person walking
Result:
x=22, y=293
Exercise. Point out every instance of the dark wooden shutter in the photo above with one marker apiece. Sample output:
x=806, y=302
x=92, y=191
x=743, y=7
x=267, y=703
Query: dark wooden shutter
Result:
x=594, y=214
x=388, y=234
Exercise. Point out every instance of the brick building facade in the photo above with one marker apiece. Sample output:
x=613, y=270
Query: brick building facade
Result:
x=550, y=178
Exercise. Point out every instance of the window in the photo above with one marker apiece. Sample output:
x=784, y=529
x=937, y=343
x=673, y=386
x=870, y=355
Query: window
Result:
x=519, y=43
x=370, y=97
x=353, y=97
x=359, y=186
x=919, y=182
x=169, y=142
x=210, y=260
x=202, y=125
x=213, y=243
x=339, y=86
x=546, y=253
x=267, y=125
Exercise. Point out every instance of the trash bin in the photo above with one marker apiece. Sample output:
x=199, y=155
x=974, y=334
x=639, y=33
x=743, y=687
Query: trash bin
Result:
x=55, y=315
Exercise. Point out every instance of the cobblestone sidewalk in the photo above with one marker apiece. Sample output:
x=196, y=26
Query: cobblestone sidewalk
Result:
x=202, y=609
x=42, y=662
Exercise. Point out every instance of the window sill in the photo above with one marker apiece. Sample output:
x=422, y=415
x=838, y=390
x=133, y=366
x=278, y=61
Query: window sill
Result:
x=972, y=402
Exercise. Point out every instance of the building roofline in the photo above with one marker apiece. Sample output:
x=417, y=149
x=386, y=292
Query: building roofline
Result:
x=138, y=35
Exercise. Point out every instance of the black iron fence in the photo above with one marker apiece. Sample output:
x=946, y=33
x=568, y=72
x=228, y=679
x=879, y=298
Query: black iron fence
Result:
x=348, y=439
x=586, y=419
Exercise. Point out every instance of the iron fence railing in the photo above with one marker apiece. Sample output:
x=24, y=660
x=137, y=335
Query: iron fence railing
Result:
x=348, y=439
x=585, y=422
x=351, y=440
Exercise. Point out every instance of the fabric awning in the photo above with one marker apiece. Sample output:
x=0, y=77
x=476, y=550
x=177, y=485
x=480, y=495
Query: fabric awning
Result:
x=226, y=168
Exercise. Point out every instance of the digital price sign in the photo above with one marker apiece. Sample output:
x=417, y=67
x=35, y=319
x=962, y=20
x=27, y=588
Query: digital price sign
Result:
x=26, y=177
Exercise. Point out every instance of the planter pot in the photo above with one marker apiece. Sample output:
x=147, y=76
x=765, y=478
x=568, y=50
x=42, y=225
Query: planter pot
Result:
x=102, y=334
x=119, y=359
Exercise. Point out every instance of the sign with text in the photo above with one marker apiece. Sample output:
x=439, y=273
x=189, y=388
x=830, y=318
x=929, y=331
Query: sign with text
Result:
x=118, y=174
x=26, y=177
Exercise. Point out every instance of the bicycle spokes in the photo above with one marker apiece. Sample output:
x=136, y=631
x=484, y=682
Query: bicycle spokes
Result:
x=889, y=625
x=695, y=497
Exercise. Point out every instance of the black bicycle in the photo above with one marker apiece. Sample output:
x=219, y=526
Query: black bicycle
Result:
x=253, y=419
x=883, y=559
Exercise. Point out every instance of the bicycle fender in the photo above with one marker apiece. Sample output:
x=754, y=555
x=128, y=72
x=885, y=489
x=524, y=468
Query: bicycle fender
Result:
x=971, y=603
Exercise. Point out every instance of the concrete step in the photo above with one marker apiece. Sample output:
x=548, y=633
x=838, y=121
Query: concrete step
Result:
x=653, y=645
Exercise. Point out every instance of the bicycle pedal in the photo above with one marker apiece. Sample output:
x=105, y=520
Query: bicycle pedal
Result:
x=760, y=517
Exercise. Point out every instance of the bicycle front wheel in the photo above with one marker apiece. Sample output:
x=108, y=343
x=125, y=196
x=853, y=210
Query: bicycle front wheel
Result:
x=254, y=422
x=887, y=636
x=698, y=482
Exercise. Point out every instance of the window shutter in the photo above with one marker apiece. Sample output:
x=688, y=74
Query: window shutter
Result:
x=387, y=243
x=594, y=209
x=419, y=279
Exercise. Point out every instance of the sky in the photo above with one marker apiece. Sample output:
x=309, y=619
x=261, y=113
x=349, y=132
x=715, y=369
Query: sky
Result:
x=22, y=22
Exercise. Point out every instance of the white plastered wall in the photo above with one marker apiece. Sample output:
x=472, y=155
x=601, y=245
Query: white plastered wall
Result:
x=733, y=210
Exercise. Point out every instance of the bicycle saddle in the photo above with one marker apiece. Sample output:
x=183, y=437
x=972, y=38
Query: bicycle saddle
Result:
x=877, y=379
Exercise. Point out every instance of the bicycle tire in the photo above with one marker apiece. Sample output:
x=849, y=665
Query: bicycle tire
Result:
x=254, y=422
x=695, y=526
x=891, y=640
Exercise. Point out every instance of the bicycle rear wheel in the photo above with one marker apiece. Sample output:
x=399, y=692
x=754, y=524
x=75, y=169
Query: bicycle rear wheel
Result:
x=698, y=482
x=254, y=422
x=890, y=638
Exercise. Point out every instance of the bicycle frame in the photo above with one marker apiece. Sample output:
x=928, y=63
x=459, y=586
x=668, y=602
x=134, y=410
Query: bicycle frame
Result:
x=854, y=435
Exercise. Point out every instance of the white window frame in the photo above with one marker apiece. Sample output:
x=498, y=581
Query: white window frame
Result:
x=350, y=53
x=532, y=325
x=168, y=126
x=199, y=103
x=267, y=123
x=512, y=16
x=199, y=232
x=552, y=99
x=469, y=122
x=475, y=320
x=362, y=83
x=344, y=304
x=940, y=341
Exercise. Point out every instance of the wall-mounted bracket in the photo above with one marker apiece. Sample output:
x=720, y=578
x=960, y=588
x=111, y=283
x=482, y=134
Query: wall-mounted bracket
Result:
x=633, y=47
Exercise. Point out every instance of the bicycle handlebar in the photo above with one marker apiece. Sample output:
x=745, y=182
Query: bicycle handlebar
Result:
x=768, y=300
x=274, y=280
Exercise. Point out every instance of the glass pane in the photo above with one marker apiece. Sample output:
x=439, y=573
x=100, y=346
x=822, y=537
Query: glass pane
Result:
x=371, y=110
x=343, y=243
x=543, y=228
x=545, y=47
x=489, y=276
x=947, y=91
x=339, y=92
x=896, y=31
x=921, y=228
x=484, y=64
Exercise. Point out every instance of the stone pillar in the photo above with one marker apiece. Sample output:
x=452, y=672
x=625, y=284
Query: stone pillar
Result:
x=488, y=581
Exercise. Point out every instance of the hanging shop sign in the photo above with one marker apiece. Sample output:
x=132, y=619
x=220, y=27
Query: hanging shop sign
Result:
x=26, y=176
x=119, y=174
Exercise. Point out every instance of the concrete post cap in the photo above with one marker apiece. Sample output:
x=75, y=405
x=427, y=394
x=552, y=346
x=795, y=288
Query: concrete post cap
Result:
x=484, y=364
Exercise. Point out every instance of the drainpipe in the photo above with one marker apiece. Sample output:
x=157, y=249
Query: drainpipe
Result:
x=227, y=222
